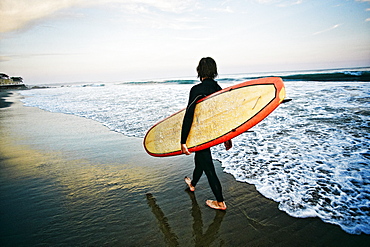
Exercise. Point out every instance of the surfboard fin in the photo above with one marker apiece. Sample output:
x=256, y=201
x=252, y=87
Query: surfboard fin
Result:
x=286, y=100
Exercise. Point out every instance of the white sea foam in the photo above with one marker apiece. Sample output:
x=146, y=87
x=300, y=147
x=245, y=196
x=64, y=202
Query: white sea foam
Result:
x=311, y=155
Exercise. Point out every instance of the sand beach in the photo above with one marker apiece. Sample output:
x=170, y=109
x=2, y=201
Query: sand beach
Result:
x=70, y=181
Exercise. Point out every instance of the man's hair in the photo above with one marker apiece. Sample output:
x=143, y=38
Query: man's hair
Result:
x=207, y=68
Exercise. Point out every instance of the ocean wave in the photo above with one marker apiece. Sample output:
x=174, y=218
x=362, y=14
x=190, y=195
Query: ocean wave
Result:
x=335, y=76
x=312, y=155
x=360, y=75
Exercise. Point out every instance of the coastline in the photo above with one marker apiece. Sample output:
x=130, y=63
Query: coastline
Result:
x=69, y=180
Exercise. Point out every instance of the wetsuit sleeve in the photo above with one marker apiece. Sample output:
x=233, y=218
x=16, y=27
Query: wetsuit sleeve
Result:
x=189, y=115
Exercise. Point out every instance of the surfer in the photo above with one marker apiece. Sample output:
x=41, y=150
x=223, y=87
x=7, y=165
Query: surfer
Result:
x=207, y=72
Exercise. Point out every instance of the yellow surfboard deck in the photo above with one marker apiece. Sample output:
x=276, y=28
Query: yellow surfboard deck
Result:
x=218, y=117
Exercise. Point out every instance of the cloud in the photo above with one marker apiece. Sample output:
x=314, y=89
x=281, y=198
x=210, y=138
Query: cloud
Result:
x=226, y=9
x=266, y=1
x=290, y=3
x=157, y=21
x=17, y=14
x=327, y=30
x=4, y=58
x=175, y=6
x=31, y=55
x=281, y=3
x=20, y=14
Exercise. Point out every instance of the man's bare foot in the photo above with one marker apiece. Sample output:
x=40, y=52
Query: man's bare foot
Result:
x=216, y=205
x=188, y=182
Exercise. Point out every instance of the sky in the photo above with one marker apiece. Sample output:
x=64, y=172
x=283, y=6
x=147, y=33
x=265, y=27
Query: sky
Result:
x=53, y=41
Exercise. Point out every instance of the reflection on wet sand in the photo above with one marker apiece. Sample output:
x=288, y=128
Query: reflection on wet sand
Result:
x=165, y=228
x=200, y=238
x=212, y=232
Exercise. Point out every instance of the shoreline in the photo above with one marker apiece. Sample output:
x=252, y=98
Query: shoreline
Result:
x=70, y=180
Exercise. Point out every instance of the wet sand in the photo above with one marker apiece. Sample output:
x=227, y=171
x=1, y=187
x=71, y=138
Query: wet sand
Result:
x=69, y=181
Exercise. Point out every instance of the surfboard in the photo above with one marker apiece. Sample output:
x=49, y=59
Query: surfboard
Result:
x=218, y=117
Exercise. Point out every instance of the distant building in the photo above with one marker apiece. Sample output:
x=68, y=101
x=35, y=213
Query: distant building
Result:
x=11, y=83
x=17, y=80
x=6, y=80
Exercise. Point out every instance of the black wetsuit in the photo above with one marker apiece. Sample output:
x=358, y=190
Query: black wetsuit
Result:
x=203, y=158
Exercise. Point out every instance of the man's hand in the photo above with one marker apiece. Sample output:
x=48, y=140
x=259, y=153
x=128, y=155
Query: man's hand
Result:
x=228, y=144
x=184, y=149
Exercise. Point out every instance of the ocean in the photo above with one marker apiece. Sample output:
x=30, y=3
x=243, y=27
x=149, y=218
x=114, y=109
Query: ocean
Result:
x=311, y=155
